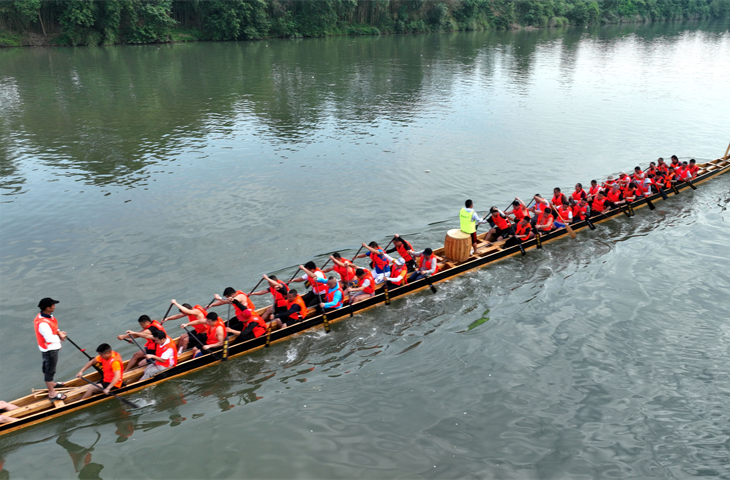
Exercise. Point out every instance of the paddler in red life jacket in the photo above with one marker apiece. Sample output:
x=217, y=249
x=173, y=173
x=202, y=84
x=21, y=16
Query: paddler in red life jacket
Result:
x=563, y=216
x=111, y=365
x=165, y=355
x=683, y=173
x=581, y=210
x=559, y=197
x=278, y=290
x=614, y=195
x=398, y=273
x=334, y=296
x=675, y=163
x=296, y=311
x=380, y=261
x=49, y=339
x=578, y=193
x=544, y=222
x=344, y=268
x=427, y=265
x=365, y=286
x=608, y=184
x=661, y=166
x=523, y=232
x=629, y=192
x=148, y=328
x=638, y=175
x=693, y=168
x=518, y=210
x=402, y=246
x=216, y=333
x=670, y=178
x=593, y=191
x=600, y=204
x=254, y=327
x=623, y=179
x=193, y=313
x=242, y=305
x=502, y=226
x=315, y=295
x=540, y=205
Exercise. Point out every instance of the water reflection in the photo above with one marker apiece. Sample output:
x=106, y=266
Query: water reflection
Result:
x=81, y=457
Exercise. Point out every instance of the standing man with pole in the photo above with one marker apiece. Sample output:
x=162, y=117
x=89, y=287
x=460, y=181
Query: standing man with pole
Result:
x=469, y=221
x=49, y=339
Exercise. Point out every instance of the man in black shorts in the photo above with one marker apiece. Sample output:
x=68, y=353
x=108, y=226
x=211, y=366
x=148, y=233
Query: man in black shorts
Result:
x=49, y=339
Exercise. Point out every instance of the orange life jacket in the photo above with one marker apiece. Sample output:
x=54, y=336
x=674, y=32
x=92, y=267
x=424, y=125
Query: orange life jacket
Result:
x=520, y=212
x=201, y=327
x=402, y=250
x=151, y=345
x=579, y=212
x=279, y=296
x=52, y=322
x=599, y=205
x=501, y=222
x=212, y=329
x=577, y=195
x=522, y=230
x=249, y=304
x=108, y=367
x=260, y=327
x=423, y=257
x=564, y=213
x=398, y=271
x=346, y=273
x=663, y=167
x=545, y=220
x=593, y=191
x=317, y=287
x=330, y=295
x=668, y=179
x=302, y=313
x=161, y=349
x=380, y=260
x=367, y=276
x=614, y=196
x=693, y=170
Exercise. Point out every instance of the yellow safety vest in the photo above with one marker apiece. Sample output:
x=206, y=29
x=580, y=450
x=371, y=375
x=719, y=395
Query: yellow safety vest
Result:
x=467, y=224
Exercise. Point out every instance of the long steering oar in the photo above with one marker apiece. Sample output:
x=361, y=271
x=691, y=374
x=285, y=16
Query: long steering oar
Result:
x=123, y=400
x=97, y=365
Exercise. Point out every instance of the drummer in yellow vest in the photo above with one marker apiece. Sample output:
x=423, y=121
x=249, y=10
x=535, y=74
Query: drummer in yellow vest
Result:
x=469, y=220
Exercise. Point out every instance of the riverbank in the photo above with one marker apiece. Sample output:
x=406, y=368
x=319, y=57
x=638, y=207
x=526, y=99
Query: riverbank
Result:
x=96, y=22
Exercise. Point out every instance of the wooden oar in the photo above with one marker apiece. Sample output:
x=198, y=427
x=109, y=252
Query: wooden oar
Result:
x=97, y=365
x=567, y=225
x=123, y=400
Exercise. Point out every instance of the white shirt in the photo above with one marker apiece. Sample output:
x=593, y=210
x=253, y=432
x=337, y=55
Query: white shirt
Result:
x=475, y=217
x=53, y=341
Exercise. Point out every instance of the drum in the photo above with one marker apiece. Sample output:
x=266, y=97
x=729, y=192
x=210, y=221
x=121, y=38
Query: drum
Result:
x=457, y=246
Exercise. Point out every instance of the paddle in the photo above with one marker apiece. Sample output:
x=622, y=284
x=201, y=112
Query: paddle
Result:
x=430, y=285
x=138, y=346
x=97, y=365
x=202, y=349
x=519, y=241
x=358, y=253
x=387, y=293
x=567, y=225
x=211, y=303
x=538, y=239
x=225, y=341
x=253, y=289
x=123, y=400
x=651, y=205
x=326, y=322
x=167, y=312
x=689, y=182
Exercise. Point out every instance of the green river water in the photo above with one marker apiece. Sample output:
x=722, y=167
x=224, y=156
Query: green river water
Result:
x=135, y=174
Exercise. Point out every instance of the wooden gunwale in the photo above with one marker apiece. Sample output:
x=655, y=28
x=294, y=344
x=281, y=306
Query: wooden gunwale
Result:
x=34, y=410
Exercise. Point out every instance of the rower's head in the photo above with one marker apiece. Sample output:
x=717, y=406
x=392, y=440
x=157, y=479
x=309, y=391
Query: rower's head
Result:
x=583, y=202
x=578, y=187
x=468, y=204
x=274, y=278
x=652, y=165
x=428, y=252
x=615, y=186
x=211, y=318
x=310, y=265
x=105, y=351
x=493, y=210
x=337, y=255
x=692, y=162
x=159, y=337
x=373, y=245
x=229, y=292
x=674, y=159
x=622, y=175
x=600, y=195
x=292, y=295
x=525, y=220
x=332, y=282
x=660, y=161
x=144, y=321
x=359, y=273
x=516, y=203
x=548, y=211
x=556, y=190
x=47, y=305
x=594, y=183
x=610, y=179
x=637, y=169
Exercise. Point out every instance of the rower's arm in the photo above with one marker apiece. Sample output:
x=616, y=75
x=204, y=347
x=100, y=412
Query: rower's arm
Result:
x=186, y=311
x=193, y=323
x=336, y=298
x=309, y=273
x=336, y=262
x=173, y=317
x=86, y=367
x=117, y=377
x=291, y=311
x=260, y=292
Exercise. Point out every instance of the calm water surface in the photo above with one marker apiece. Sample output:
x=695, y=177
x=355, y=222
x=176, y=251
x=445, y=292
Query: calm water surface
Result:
x=132, y=175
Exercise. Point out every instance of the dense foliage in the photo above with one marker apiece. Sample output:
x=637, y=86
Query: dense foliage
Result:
x=95, y=22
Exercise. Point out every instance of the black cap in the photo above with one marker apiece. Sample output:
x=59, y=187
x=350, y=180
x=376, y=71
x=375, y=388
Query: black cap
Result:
x=47, y=302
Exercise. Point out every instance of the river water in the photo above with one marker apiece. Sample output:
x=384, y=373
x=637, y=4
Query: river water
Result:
x=136, y=174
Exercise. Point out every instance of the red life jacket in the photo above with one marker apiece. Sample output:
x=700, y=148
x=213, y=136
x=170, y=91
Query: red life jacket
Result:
x=564, y=213
x=398, y=271
x=330, y=295
x=522, y=230
x=579, y=212
x=201, y=327
x=638, y=175
x=381, y=262
x=316, y=286
x=668, y=179
x=260, y=327
x=346, y=273
x=151, y=345
x=403, y=250
x=558, y=199
x=693, y=170
x=599, y=205
x=543, y=220
x=212, y=329
x=279, y=296
x=302, y=313
x=248, y=303
x=614, y=196
x=609, y=183
x=52, y=322
x=108, y=367
x=423, y=257
x=593, y=191
x=161, y=349
x=501, y=222
x=663, y=167
x=577, y=195
x=520, y=212
x=367, y=276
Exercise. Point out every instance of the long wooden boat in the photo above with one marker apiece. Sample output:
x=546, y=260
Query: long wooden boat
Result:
x=36, y=408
